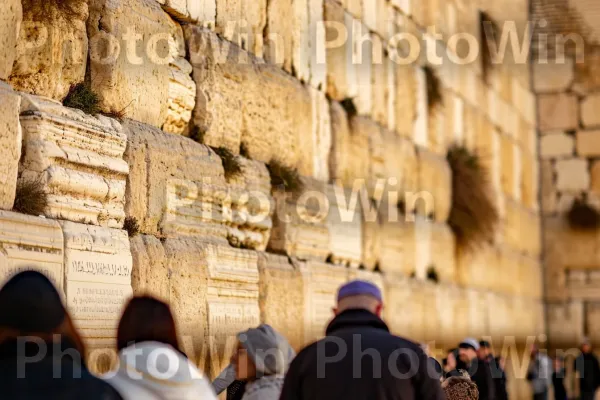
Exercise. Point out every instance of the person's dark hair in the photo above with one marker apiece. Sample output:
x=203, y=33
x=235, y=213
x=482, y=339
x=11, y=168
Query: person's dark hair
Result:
x=30, y=305
x=146, y=319
x=485, y=344
x=460, y=388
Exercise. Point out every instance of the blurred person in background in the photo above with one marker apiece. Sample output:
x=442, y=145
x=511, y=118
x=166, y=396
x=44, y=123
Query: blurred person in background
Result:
x=558, y=376
x=539, y=373
x=41, y=354
x=496, y=367
x=151, y=364
x=226, y=382
x=478, y=369
x=588, y=371
x=262, y=359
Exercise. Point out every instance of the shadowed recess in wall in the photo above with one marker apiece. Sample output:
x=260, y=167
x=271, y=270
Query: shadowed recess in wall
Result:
x=434, y=88
x=489, y=31
x=473, y=216
x=231, y=164
x=285, y=178
x=582, y=216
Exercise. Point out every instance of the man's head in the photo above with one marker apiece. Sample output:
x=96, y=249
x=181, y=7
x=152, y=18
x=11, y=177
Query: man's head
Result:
x=586, y=346
x=485, y=349
x=359, y=295
x=467, y=350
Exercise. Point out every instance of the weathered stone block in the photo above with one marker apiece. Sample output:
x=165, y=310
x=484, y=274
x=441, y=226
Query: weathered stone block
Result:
x=11, y=16
x=182, y=98
x=10, y=145
x=344, y=222
x=588, y=143
x=558, y=111
x=572, y=175
x=149, y=274
x=398, y=247
x=553, y=77
x=52, y=49
x=565, y=323
x=531, y=277
x=242, y=22
x=508, y=173
x=589, y=111
x=435, y=179
x=406, y=99
x=136, y=79
x=281, y=297
x=595, y=177
x=443, y=252
x=178, y=187
x=31, y=243
x=564, y=247
x=97, y=277
x=421, y=122
x=478, y=268
x=79, y=160
x=554, y=145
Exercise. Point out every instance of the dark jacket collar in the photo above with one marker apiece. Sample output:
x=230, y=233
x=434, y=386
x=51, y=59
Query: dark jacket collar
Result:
x=355, y=318
x=12, y=349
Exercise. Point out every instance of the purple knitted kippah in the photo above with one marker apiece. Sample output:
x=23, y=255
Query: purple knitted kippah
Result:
x=357, y=287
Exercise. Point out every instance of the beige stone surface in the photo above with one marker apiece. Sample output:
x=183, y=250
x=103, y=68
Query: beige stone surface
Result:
x=479, y=268
x=548, y=190
x=530, y=180
x=149, y=274
x=553, y=77
x=52, y=49
x=558, y=111
x=565, y=247
x=555, y=145
x=79, y=160
x=589, y=111
x=10, y=145
x=406, y=99
x=178, y=187
x=135, y=78
x=97, y=277
x=443, y=252
x=242, y=22
x=398, y=247
x=565, y=323
x=572, y=175
x=28, y=242
x=421, y=123
x=344, y=222
x=11, y=17
x=435, y=179
x=182, y=98
x=314, y=159
x=588, y=143
x=508, y=161
x=281, y=299
x=595, y=177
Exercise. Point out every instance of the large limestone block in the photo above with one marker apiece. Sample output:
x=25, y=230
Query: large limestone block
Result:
x=344, y=223
x=565, y=323
x=315, y=163
x=477, y=268
x=10, y=145
x=558, y=111
x=31, y=243
x=52, y=49
x=435, y=178
x=531, y=277
x=242, y=22
x=565, y=247
x=553, y=77
x=588, y=143
x=281, y=298
x=572, y=175
x=178, y=187
x=443, y=252
x=149, y=275
x=529, y=181
x=321, y=284
x=508, y=160
x=421, y=123
x=556, y=145
x=589, y=111
x=182, y=98
x=11, y=16
x=398, y=247
x=97, y=277
x=79, y=160
x=137, y=78
x=406, y=99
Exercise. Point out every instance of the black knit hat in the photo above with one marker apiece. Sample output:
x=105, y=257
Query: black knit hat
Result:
x=30, y=303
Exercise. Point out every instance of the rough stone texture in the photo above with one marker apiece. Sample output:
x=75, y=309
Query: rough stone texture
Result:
x=98, y=267
x=10, y=144
x=557, y=144
x=530, y=181
x=406, y=99
x=549, y=196
x=315, y=163
x=421, y=123
x=590, y=117
x=52, y=49
x=30, y=242
x=11, y=15
x=588, y=143
x=470, y=273
x=558, y=111
x=443, y=252
x=149, y=272
x=553, y=77
x=182, y=98
x=572, y=175
x=398, y=247
x=281, y=297
x=435, y=178
x=565, y=323
x=242, y=22
x=137, y=79
x=178, y=187
x=508, y=174
x=595, y=177
x=79, y=160
x=344, y=222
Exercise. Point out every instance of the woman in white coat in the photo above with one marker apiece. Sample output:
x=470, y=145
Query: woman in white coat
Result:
x=151, y=366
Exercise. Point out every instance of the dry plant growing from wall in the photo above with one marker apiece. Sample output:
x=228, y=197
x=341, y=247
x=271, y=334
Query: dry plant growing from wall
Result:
x=31, y=198
x=285, y=178
x=131, y=226
x=434, y=88
x=82, y=97
x=231, y=164
x=44, y=10
x=489, y=31
x=349, y=107
x=582, y=216
x=473, y=216
x=432, y=274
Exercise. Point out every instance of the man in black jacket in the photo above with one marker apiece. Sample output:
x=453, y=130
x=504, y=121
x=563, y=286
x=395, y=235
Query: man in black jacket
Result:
x=496, y=366
x=359, y=358
x=588, y=370
x=479, y=370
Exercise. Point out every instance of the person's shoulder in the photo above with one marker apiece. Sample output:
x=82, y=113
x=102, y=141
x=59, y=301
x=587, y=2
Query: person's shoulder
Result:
x=97, y=388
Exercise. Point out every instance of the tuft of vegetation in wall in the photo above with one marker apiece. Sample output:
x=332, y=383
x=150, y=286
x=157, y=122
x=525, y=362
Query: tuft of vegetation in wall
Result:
x=44, y=10
x=473, y=216
x=489, y=31
x=119, y=115
x=197, y=135
x=231, y=164
x=582, y=216
x=31, y=198
x=131, y=226
x=349, y=107
x=285, y=178
x=432, y=274
x=82, y=97
x=434, y=88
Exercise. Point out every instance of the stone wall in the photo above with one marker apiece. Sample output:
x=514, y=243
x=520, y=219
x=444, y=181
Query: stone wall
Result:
x=177, y=81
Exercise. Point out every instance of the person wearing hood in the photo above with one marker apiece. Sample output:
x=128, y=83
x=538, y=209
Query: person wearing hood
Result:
x=151, y=364
x=262, y=358
x=41, y=354
x=359, y=358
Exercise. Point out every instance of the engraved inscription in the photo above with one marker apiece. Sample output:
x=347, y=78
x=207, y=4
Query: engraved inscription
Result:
x=98, y=267
x=89, y=300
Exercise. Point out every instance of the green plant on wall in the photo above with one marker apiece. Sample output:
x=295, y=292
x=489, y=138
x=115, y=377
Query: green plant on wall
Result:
x=473, y=216
x=82, y=97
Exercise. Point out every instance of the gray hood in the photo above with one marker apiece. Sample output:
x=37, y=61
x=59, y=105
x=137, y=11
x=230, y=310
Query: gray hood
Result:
x=270, y=351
